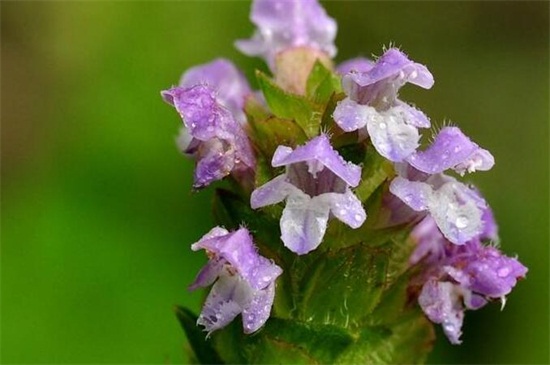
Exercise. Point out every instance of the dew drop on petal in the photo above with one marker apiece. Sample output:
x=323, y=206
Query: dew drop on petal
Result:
x=461, y=222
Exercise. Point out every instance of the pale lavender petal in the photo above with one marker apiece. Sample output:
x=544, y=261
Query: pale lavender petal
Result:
x=490, y=227
x=359, y=64
x=272, y=192
x=224, y=78
x=452, y=149
x=430, y=243
x=257, y=312
x=441, y=303
x=226, y=300
x=346, y=207
x=412, y=115
x=303, y=223
x=456, y=212
x=392, y=137
x=264, y=274
x=350, y=116
x=318, y=151
x=211, y=240
x=415, y=194
x=284, y=24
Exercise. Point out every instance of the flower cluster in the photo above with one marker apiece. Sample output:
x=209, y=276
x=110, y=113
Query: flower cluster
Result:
x=457, y=269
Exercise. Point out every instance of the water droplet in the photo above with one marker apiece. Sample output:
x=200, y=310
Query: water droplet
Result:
x=456, y=149
x=382, y=125
x=358, y=217
x=343, y=211
x=413, y=75
x=503, y=272
x=461, y=222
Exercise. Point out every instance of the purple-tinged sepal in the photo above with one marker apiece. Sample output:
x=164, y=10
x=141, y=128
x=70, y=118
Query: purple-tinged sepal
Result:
x=451, y=149
x=244, y=281
x=316, y=185
x=216, y=139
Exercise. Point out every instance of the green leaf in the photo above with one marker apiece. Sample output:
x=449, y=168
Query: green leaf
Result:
x=376, y=170
x=202, y=348
x=322, y=83
x=291, y=106
x=344, y=285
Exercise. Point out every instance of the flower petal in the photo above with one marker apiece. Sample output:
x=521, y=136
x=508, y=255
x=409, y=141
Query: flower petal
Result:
x=452, y=149
x=319, y=150
x=272, y=192
x=456, y=212
x=303, y=223
x=392, y=137
x=346, y=207
x=441, y=303
x=359, y=64
x=257, y=312
x=415, y=194
x=350, y=116
x=225, y=301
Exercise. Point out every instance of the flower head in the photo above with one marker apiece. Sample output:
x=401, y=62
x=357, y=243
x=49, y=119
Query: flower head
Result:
x=285, y=24
x=217, y=141
x=316, y=184
x=244, y=281
x=372, y=104
x=456, y=278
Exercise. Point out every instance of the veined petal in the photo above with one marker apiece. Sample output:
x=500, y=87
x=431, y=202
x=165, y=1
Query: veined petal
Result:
x=415, y=194
x=392, y=137
x=346, y=207
x=214, y=162
x=208, y=274
x=350, y=116
x=256, y=313
x=452, y=149
x=304, y=222
x=411, y=115
x=272, y=192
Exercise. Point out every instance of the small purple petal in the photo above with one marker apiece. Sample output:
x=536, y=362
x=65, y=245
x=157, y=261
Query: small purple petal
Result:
x=259, y=309
x=430, y=243
x=441, y=303
x=272, y=192
x=347, y=208
x=304, y=222
x=415, y=194
x=350, y=116
x=225, y=301
x=359, y=64
x=318, y=151
x=412, y=115
x=456, y=212
x=284, y=24
x=452, y=149
x=208, y=274
x=392, y=137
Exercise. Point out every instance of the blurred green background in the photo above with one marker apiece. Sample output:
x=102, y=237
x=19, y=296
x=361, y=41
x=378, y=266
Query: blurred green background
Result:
x=97, y=213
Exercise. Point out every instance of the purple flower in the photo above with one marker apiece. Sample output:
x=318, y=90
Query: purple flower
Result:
x=451, y=149
x=216, y=139
x=225, y=79
x=285, y=24
x=316, y=184
x=457, y=209
x=244, y=281
x=456, y=278
x=372, y=102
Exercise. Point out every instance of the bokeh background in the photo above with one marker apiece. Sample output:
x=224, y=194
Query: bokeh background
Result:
x=97, y=212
